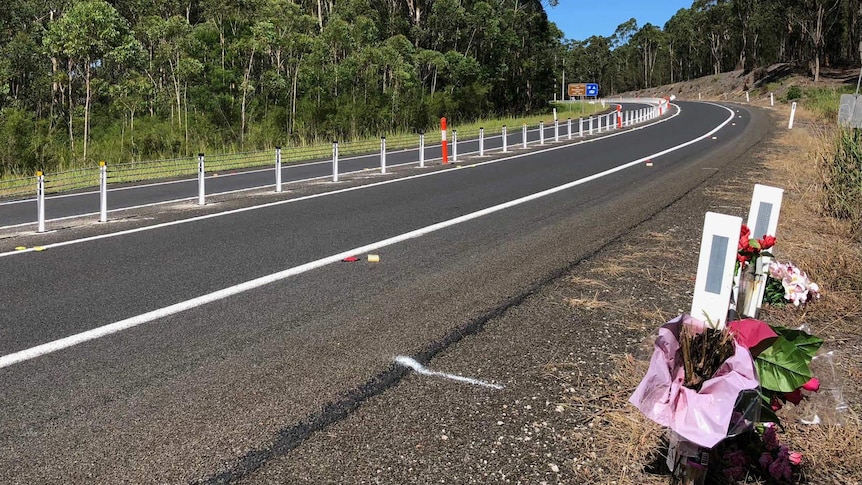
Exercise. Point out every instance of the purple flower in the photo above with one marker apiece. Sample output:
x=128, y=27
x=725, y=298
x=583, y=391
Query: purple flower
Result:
x=765, y=460
x=770, y=440
x=780, y=467
x=735, y=473
x=737, y=458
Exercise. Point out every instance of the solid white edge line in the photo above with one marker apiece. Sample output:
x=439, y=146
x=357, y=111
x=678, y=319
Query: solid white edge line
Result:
x=189, y=180
x=102, y=331
x=324, y=194
x=286, y=167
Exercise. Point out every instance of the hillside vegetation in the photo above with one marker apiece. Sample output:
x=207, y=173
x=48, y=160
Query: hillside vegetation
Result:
x=84, y=80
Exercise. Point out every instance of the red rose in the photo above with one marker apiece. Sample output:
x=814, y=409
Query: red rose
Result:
x=775, y=404
x=795, y=397
x=767, y=242
x=812, y=385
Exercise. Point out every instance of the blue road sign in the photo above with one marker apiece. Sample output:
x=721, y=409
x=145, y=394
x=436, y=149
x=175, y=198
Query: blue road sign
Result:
x=592, y=90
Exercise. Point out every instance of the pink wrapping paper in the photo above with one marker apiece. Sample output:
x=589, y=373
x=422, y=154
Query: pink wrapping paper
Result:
x=700, y=417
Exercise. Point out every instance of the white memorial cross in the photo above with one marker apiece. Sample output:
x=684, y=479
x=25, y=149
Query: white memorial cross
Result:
x=712, y=290
x=714, y=281
x=762, y=220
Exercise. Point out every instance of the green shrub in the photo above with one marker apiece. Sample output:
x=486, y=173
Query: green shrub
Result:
x=793, y=93
x=843, y=179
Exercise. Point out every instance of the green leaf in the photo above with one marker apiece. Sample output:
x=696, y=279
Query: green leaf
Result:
x=783, y=367
x=807, y=343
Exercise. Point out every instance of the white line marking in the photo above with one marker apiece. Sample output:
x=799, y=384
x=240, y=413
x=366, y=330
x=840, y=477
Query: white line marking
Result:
x=241, y=172
x=420, y=369
x=99, y=332
x=334, y=192
x=286, y=167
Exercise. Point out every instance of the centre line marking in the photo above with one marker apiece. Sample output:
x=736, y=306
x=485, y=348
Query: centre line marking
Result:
x=349, y=189
x=63, y=343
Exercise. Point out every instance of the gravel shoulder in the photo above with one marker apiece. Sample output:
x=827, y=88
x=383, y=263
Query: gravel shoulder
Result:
x=564, y=339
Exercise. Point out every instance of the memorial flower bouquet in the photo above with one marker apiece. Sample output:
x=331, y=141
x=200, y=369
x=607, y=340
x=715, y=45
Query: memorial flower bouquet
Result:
x=786, y=283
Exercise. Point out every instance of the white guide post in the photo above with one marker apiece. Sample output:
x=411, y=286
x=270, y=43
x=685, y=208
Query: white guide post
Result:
x=40, y=201
x=771, y=99
x=747, y=97
x=792, y=115
x=569, y=128
x=505, y=140
x=581, y=127
x=383, y=155
x=103, y=191
x=541, y=133
x=524, y=135
x=591, y=126
x=481, y=142
x=556, y=131
x=202, y=192
x=421, y=149
x=714, y=281
x=454, y=146
x=335, y=161
x=278, y=169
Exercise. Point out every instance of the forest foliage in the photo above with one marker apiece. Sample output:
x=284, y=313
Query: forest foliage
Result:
x=83, y=80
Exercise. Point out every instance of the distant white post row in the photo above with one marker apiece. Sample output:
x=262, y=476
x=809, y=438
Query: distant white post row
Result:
x=602, y=123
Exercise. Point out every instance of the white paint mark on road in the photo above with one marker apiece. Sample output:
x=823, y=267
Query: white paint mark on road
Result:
x=115, y=327
x=420, y=369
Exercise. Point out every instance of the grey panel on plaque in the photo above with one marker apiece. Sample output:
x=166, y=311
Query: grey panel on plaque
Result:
x=715, y=268
x=761, y=225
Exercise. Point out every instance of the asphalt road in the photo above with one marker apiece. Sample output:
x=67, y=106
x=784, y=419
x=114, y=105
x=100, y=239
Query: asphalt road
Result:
x=192, y=396
x=120, y=197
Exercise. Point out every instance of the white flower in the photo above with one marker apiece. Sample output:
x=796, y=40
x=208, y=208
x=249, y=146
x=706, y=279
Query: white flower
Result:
x=798, y=288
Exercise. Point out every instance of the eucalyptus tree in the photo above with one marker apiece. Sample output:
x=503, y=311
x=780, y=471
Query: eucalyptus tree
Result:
x=815, y=18
x=90, y=36
x=649, y=40
x=714, y=17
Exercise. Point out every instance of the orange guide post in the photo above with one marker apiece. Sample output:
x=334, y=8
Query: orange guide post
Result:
x=444, y=144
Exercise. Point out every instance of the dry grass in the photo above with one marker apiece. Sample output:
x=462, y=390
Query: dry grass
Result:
x=613, y=268
x=579, y=281
x=618, y=440
x=589, y=304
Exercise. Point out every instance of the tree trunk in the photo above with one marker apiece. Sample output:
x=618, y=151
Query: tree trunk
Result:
x=71, y=108
x=245, y=84
x=87, y=108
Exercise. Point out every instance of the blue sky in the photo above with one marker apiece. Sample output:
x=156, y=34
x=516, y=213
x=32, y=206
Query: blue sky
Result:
x=580, y=19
